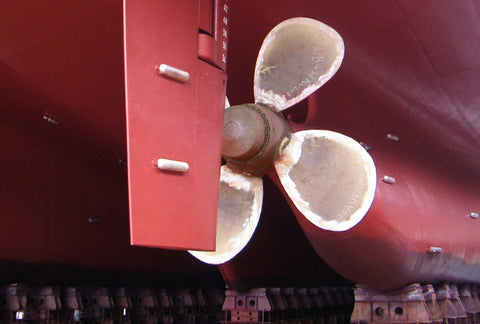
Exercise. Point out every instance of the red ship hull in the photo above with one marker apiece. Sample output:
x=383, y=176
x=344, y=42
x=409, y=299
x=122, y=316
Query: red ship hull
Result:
x=410, y=70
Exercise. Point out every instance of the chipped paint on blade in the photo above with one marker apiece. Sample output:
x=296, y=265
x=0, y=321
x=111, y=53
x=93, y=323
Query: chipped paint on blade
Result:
x=239, y=208
x=296, y=58
x=235, y=180
x=330, y=178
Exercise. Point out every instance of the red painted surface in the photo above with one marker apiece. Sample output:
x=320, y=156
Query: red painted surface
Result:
x=181, y=121
x=66, y=61
x=410, y=69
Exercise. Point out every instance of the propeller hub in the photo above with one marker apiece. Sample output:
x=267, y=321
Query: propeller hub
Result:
x=243, y=133
x=254, y=136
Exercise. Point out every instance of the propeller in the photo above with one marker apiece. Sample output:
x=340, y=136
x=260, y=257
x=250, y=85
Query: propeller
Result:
x=330, y=177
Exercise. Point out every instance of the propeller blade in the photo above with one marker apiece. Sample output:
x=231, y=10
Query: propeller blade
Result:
x=239, y=208
x=330, y=178
x=296, y=58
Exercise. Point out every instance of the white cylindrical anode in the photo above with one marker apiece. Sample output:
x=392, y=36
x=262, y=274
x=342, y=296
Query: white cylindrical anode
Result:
x=174, y=73
x=389, y=180
x=172, y=165
x=393, y=137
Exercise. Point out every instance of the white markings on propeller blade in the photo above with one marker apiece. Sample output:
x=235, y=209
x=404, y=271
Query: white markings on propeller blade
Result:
x=352, y=205
x=318, y=56
x=268, y=69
